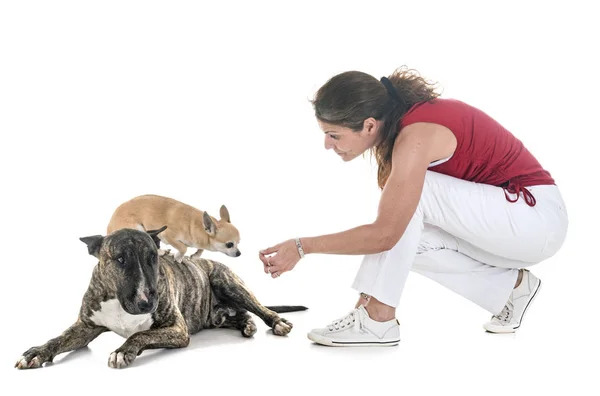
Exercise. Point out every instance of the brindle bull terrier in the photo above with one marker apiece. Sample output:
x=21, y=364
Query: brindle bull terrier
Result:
x=154, y=301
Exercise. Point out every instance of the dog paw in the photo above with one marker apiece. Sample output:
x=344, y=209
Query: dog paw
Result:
x=218, y=320
x=161, y=252
x=33, y=358
x=179, y=257
x=282, y=327
x=249, y=329
x=120, y=359
x=197, y=254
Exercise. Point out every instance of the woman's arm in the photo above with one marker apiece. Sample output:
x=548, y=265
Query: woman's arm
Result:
x=416, y=147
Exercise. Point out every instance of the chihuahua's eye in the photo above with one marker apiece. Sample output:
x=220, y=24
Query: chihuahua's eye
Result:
x=121, y=260
x=229, y=245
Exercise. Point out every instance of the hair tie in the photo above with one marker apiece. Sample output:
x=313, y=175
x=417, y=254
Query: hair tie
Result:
x=390, y=89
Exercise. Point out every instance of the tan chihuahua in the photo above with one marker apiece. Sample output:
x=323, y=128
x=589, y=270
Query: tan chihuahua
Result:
x=186, y=225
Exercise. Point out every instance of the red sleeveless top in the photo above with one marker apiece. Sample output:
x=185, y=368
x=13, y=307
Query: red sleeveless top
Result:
x=486, y=152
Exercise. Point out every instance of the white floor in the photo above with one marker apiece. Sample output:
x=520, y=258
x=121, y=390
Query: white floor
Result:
x=443, y=349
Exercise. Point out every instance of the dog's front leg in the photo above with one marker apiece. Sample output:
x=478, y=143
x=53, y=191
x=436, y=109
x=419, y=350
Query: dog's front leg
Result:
x=164, y=337
x=197, y=254
x=77, y=336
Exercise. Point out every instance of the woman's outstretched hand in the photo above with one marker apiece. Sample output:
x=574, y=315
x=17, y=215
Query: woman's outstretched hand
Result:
x=284, y=258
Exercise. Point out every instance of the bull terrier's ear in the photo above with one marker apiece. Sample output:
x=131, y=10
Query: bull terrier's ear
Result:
x=93, y=243
x=154, y=235
x=225, y=214
x=209, y=225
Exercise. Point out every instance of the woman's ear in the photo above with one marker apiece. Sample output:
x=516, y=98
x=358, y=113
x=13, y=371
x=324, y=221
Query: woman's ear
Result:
x=370, y=126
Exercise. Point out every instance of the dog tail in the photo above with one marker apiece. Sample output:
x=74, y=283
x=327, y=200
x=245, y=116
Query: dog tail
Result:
x=286, y=308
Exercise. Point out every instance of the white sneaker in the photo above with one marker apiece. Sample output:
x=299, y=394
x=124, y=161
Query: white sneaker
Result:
x=511, y=316
x=357, y=329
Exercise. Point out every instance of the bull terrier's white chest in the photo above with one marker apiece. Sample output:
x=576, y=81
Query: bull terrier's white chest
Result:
x=112, y=316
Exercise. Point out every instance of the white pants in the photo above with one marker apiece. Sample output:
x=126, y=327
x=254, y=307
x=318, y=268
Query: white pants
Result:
x=468, y=237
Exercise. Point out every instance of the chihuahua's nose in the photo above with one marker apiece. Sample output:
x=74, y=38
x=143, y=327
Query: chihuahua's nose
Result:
x=238, y=253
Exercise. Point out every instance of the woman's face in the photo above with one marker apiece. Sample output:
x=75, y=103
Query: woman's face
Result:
x=349, y=144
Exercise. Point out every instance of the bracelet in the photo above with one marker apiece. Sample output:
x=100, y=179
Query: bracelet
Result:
x=299, y=247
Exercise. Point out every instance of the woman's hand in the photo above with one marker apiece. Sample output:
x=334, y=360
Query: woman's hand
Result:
x=285, y=258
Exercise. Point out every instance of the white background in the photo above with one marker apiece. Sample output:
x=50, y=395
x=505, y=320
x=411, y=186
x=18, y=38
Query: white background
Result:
x=209, y=104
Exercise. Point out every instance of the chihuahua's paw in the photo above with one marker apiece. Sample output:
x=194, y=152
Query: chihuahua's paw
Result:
x=33, y=358
x=197, y=254
x=120, y=359
x=161, y=252
x=282, y=327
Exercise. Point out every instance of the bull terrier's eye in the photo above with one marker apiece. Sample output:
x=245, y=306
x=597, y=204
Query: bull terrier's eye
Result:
x=229, y=245
x=120, y=259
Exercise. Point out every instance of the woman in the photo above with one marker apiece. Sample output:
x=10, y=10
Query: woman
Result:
x=463, y=202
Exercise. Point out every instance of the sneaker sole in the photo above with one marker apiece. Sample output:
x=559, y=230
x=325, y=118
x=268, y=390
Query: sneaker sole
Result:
x=507, y=329
x=328, y=342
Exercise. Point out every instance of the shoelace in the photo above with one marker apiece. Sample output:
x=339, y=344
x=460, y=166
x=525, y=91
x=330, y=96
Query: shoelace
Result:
x=506, y=314
x=352, y=319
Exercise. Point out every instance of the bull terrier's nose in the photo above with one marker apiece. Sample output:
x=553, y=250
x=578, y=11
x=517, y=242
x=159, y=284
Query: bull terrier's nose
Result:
x=144, y=305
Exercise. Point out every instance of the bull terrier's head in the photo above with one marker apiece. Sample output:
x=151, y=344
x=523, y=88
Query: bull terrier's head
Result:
x=129, y=266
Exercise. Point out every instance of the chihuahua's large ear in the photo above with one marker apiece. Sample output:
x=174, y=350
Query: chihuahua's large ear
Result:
x=224, y=214
x=209, y=225
x=93, y=243
x=154, y=235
